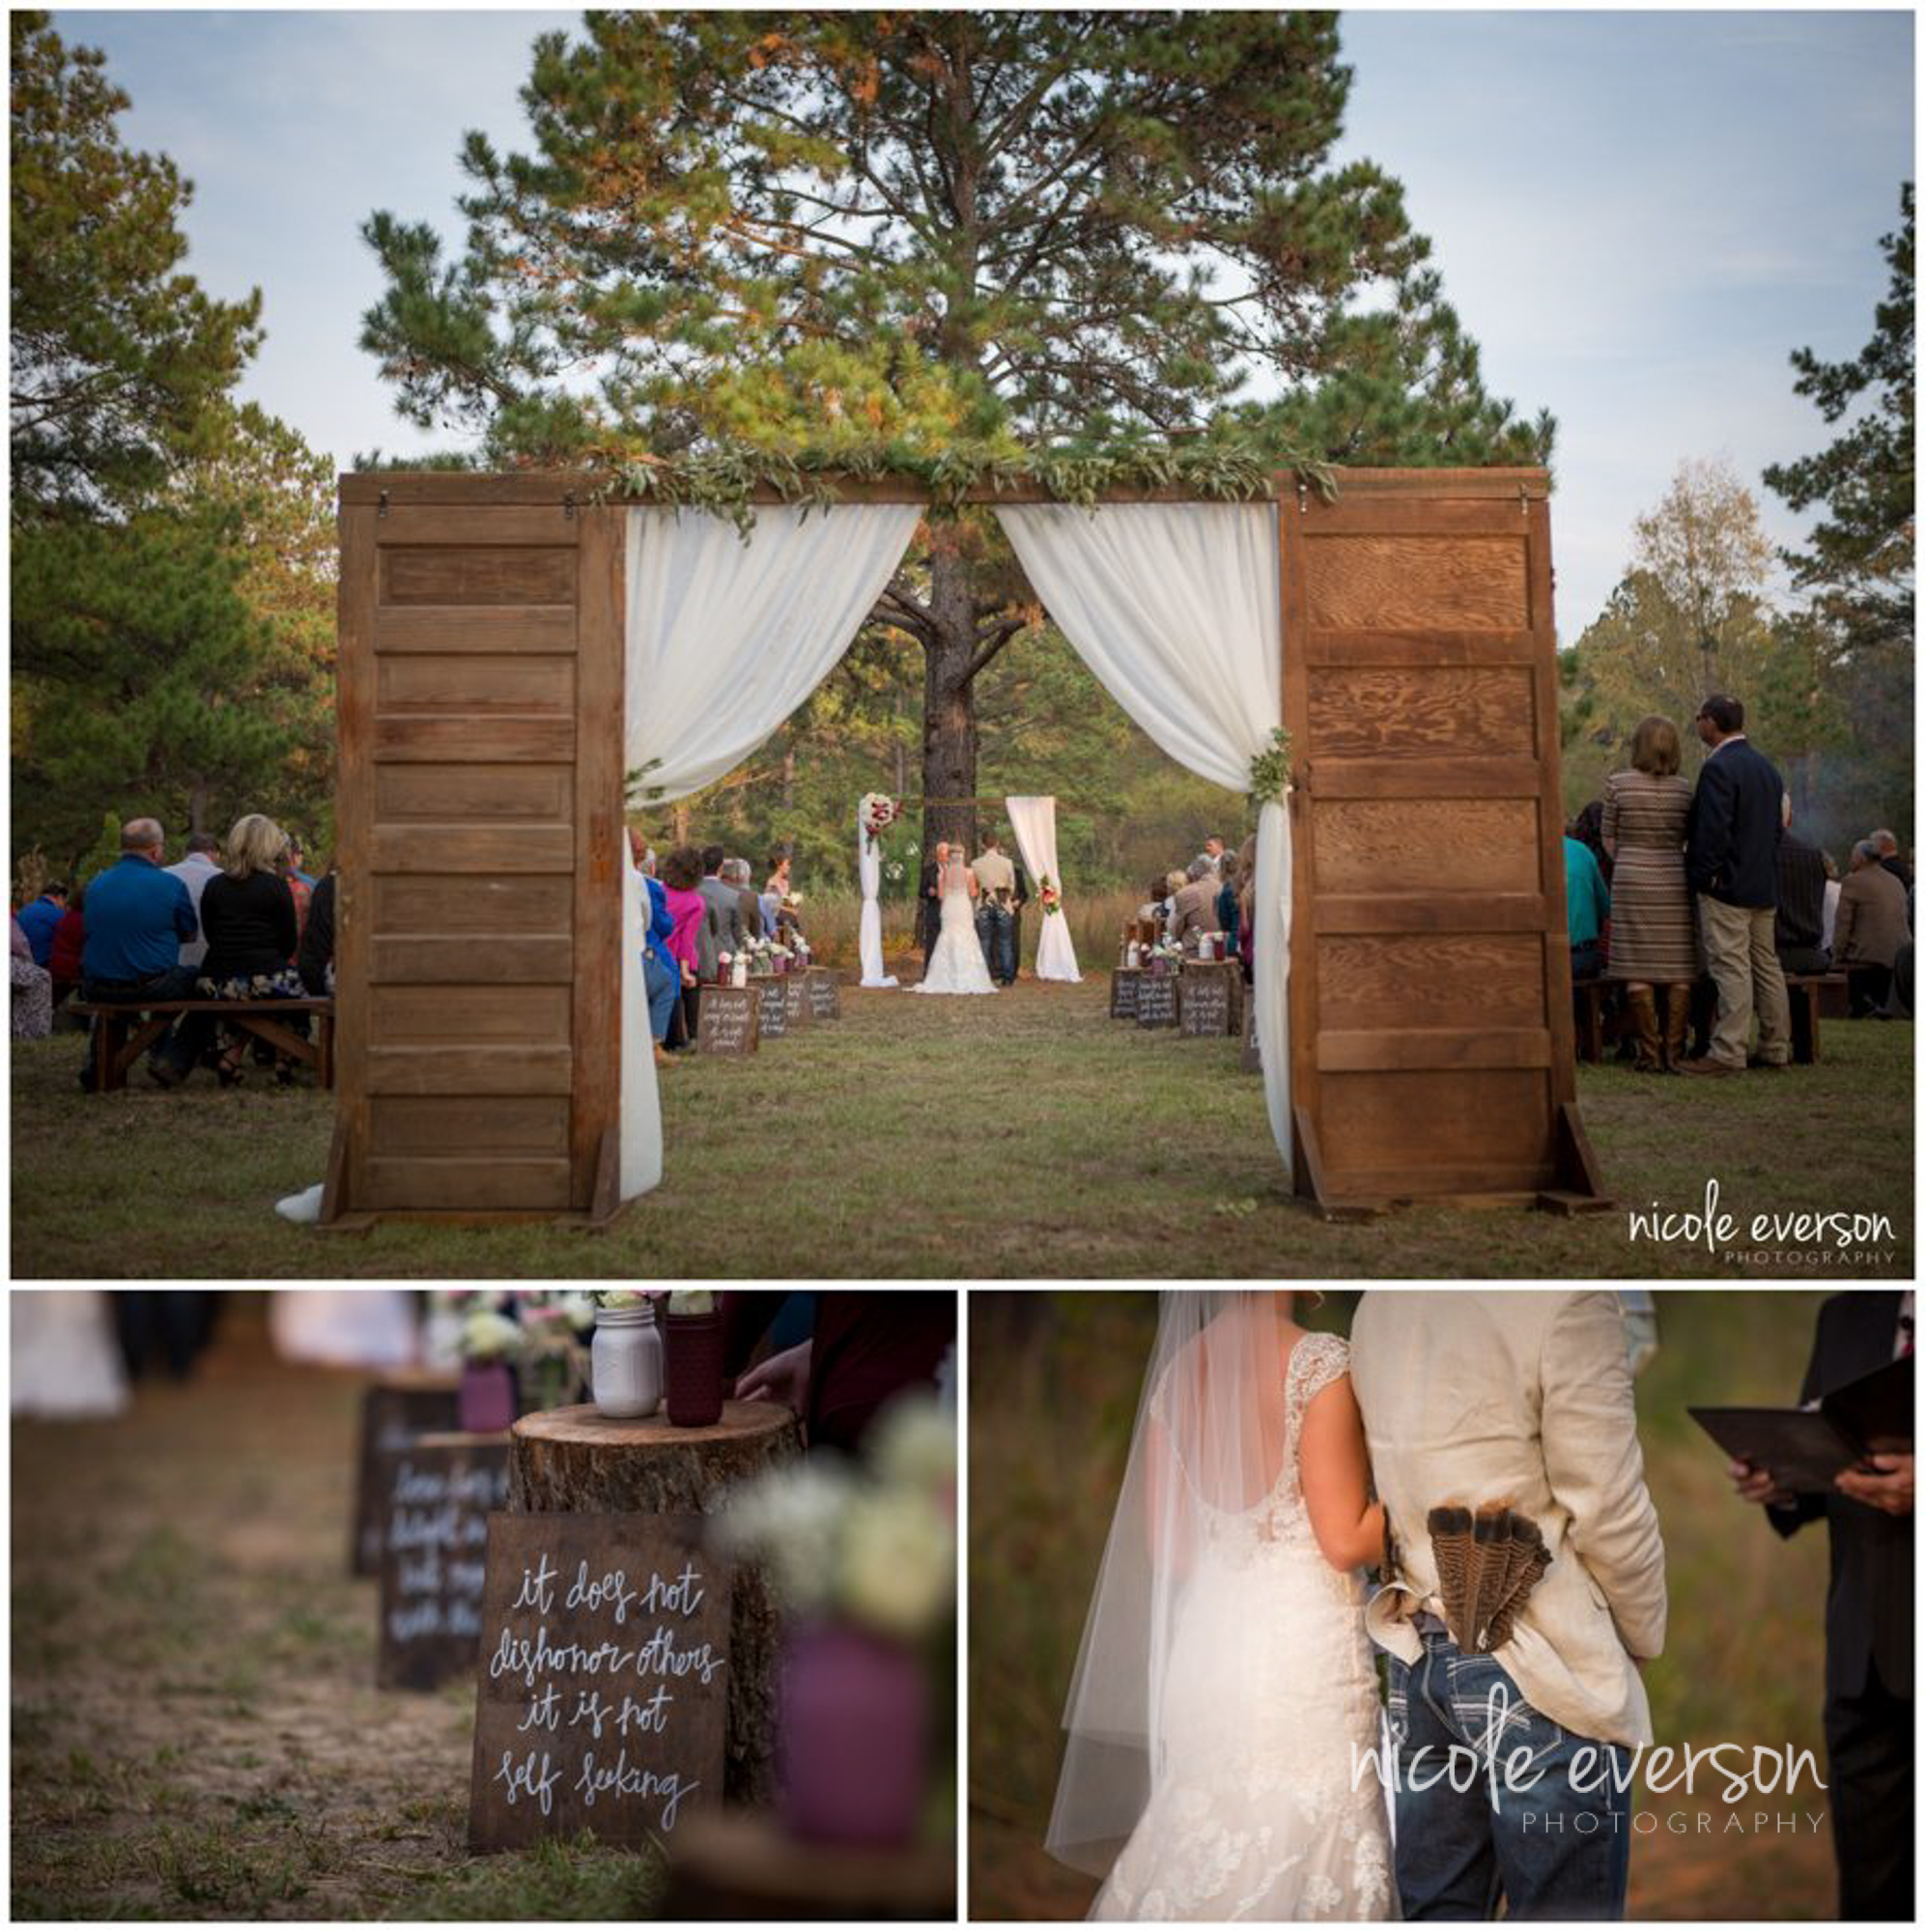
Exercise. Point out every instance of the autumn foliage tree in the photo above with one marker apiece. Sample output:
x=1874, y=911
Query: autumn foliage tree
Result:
x=932, y=241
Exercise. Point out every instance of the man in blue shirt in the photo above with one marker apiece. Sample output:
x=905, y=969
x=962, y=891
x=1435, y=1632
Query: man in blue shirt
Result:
x=1587, y=905
x=39, y=920
x=137, y=918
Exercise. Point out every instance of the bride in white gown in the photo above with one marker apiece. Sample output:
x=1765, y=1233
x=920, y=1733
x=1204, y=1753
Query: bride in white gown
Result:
x=1225, y=1695
x=957, y=964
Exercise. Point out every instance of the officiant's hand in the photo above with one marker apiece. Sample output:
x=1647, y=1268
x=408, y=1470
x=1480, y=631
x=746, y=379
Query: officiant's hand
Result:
x=1885, y=1485
x=1759, y=1485
x=782, y=1378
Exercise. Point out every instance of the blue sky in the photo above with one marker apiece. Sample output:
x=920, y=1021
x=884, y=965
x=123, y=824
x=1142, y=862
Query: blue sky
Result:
x=1637, y=215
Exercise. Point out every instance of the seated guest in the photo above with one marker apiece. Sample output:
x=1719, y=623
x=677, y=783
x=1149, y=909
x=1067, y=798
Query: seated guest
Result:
x=39, y=920
x=1587, y=905
x=1227, y=918
x=1165, y=909
x=247, y=914
x=1870, y=929
x=1799, y=931
x=723, y=932
x=1888, y=857
x=68, y=936
x=1193, y=905
x=735, y=873
x=202, y=863
x=1832, y=888
x=33, y=989
x=138, y=918
x=689, y=915
x=1588, y=829
x=314, y=956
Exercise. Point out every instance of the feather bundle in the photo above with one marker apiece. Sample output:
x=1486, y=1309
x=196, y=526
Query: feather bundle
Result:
x=1488, y=1562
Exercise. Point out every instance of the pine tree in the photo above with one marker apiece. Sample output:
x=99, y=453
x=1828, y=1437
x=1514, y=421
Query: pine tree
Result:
x=932, y=238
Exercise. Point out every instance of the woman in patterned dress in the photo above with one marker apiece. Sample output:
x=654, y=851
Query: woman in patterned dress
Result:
x=1654, y=936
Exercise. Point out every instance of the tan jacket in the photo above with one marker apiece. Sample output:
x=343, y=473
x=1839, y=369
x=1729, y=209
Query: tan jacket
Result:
x=1870, y=924
x=1522, y=1397
x=1194, y=909
x=994, y=873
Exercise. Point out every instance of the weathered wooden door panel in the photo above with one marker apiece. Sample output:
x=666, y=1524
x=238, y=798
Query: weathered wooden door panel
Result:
x=478, y=953
x=1431, y=1001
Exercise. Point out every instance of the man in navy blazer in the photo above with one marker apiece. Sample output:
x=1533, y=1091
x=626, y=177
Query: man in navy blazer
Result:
x=1731, y=861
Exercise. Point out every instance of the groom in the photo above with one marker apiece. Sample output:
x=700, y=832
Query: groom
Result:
x=1525, y=1398
x=996, y=911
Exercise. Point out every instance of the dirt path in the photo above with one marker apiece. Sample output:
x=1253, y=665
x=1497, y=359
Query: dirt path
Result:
x=196, y=1731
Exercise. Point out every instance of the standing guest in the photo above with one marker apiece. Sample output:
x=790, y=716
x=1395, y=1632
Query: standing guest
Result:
x=1193, y=904
x=1799, y=931
x=1642, y=826
x=299, y=889
x=1212, y=855
x=768, y=901
x=1588, y=829
x=202, y=863
x=1832, y=888
x=1246, y=908
x=1228, y=912
x=929, y=902
x=1868, y=1632
x=722, y=930
x=248, y=916
x=1870, y=929
x=661, y=971
x=33, y=989
x=137, y=918
x=38, y=921
x=1731, y=858
x=748, y=907
x=1587, y=905
x=1887, y=849
x=297, y=865
x=689, y=913
x=314, y=956
x=68, y=937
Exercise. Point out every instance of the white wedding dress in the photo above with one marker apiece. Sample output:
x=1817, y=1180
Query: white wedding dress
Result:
x=957, y=964
x=1267, y=1686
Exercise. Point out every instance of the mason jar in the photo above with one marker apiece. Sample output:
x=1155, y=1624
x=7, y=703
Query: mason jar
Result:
x=626, y=1361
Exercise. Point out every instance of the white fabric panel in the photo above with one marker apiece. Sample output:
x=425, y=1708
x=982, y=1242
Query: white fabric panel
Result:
x=869, y=861
x=1034, y=820
x=1176, y=607
x=726, y=637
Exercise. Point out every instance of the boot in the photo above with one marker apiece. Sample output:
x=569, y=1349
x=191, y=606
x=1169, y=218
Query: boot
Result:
x=1641, y=1002
x=1677, y=1025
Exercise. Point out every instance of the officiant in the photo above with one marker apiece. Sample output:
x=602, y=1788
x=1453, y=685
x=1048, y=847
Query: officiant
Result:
x=1868, y=1628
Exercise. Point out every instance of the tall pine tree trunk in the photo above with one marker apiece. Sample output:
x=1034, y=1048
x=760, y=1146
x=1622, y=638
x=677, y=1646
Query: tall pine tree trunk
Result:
x=949, y=700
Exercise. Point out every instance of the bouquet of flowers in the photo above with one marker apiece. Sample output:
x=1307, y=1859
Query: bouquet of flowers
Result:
x=761, y=958
x=555, y=1363
x=1050, y=894
x=877, y=812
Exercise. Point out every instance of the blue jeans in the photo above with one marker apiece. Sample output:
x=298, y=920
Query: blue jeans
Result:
x=1548, y=1832
x=996, y=933
x=663, y=981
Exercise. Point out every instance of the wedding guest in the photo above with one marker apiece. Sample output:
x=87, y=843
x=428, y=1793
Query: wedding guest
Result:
x=1212, y=855
x=314, y=955
x=929, y=902
x=33, y=989
x=661, y=971
x=137, y=918
x=68, y=940
x=1888, y=857
x=39, y=920
x=1868, y=1610
x=778, y=882
x=1166, y=907
x=688, y=913
x=252, y=932
x=1799, y=934
x=1193, y=905
x=768, y=900
x=1587, y=905
x=1731, y=858
x=1155, y=893
x=1588, y=829
x=299, y=889
x=735, y=873
x=722, y=931
x=1229, y=915
x=1832, y=888
x=1246, y=907
x=201, y=863
x=1870, y=929
x=297, y=865
x=1642, y=825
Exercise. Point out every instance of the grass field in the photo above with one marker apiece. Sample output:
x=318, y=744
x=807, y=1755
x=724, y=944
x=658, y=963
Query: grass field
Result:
x=1053, y=1382
x=195, y=1728
x=1016, y=1136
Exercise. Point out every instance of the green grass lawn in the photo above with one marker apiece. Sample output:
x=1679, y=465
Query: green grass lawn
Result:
x=1022, y=1135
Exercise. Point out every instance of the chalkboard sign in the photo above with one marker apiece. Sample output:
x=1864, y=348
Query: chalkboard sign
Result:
x=728, y=1020
x=437, y=1492
x=822, y=992
x=1208, y=1002
x=1156, y=1000
x=602, y=1680
x=1253, y=1056
x=1122, y=992
x=774, y=1021
x=404, y=1404
x=801, y=1008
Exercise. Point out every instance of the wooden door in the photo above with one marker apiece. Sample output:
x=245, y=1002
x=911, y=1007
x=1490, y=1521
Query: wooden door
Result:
x=1430, y=971
x=479, y=817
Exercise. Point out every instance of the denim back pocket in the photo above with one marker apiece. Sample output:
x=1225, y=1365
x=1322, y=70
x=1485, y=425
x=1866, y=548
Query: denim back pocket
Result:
x=1480, y=1692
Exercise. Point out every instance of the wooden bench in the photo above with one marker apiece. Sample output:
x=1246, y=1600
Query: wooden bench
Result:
x=1810, y=994
x=1805, y=992
x=122, y=1034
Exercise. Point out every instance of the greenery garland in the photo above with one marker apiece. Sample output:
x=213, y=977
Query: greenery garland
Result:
x=1270, y=770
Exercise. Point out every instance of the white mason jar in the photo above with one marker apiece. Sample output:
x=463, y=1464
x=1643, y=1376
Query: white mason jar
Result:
x=627, y=1361
x=1203, y=949
x=738, y=971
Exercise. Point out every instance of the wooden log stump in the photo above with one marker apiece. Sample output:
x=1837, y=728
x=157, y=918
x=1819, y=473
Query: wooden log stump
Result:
x=579, y=1461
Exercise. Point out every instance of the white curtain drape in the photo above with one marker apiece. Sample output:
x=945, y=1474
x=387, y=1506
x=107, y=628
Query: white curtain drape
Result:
x=1174, y=606
x=724, y=639
x=868, y=862
x=1034, y=820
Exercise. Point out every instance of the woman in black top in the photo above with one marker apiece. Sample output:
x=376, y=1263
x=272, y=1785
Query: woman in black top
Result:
x=248, y=918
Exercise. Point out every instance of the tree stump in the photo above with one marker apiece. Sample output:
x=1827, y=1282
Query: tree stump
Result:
x=578, y=1459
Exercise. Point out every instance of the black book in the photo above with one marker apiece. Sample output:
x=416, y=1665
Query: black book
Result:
x=1806, y=1448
